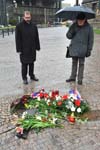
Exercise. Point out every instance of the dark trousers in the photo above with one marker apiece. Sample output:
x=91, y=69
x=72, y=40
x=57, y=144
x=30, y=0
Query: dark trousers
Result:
x=25, y=68
x=77, y=66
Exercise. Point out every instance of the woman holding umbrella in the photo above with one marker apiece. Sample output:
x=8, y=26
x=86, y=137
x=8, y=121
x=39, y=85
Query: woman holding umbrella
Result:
x=81, y=35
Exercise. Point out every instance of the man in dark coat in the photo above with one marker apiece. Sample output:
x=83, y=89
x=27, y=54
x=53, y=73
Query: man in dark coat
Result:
x=27, y=43
x=82, y=37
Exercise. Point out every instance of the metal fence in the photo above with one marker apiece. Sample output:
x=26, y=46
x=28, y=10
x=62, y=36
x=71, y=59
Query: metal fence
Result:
x=4, y=31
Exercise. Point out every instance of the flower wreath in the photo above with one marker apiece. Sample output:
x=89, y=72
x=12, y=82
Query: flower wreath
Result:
x=41, y=110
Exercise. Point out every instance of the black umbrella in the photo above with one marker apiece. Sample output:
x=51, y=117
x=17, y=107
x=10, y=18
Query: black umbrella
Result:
x=70, y=13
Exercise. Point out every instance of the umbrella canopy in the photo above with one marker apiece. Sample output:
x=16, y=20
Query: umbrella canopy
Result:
x=70, y=13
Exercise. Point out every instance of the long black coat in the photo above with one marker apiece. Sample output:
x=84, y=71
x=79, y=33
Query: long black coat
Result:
x=27, y=41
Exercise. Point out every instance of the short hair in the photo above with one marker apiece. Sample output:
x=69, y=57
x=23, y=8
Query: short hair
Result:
x=27, y=13
x=81, y=16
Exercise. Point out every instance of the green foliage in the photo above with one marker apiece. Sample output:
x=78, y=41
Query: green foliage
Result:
x=97, y=31
x=13, y=21
x=31, y=122
x=84, y=107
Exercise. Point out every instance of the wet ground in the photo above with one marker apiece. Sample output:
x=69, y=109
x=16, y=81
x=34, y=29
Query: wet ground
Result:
x=52, y=69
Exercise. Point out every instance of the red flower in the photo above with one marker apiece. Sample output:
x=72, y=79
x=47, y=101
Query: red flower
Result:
x=64, y=97
x=59, y=103
x=25, y=98
x=55, y=93
x=77, y=102
x=46, y=95
x=41, y=95
x=71, y=119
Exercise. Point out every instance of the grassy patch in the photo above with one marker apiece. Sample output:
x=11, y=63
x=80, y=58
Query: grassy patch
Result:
x=97, y=31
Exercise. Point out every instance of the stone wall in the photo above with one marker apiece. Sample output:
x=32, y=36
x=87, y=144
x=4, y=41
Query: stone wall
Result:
x=94, y=5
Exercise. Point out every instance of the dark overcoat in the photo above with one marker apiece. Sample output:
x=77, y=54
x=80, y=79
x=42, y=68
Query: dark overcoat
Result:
x=81, y=39
x=27, y=41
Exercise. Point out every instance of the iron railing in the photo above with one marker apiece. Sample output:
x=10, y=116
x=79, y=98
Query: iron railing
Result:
x=6, y=31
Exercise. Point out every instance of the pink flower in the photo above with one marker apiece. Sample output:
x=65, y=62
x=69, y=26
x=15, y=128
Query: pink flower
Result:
x=19, y=130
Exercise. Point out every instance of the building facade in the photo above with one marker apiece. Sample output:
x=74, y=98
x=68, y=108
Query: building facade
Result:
x=43, y=11
x=94, y=4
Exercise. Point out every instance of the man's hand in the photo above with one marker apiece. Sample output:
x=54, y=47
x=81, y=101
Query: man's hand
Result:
x=19, y=52
x=88, y=54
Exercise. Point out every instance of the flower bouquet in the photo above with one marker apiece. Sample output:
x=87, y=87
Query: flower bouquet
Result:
x=42, y=110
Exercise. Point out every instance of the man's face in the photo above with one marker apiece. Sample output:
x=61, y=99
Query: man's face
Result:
x=27, y=18
x=81, y=22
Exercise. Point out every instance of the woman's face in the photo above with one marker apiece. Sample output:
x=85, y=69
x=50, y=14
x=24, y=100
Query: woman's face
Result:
x=81, y=22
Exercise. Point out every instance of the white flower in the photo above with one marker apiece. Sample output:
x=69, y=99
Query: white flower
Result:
x=54, y=103
x=79, y=110
x=72, y=97
x=58, y=98
x=70, y=104
x=38, y=98
x=38, y=117
x=54, y=120
x=48, y=101
x=67, y=106
x=73, y=108
x=46, y=112
x=50, y=94
x=45, y=99
x=24, y=114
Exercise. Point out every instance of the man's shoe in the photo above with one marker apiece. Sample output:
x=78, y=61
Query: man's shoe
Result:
x=70, y=80
x=34, y=79
x=25, y=81
x=80, y=82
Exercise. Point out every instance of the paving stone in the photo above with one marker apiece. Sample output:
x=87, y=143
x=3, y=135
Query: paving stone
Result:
x=53, y=69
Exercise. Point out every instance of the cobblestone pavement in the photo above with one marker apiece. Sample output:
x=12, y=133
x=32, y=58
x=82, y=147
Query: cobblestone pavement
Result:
x=53, y=69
